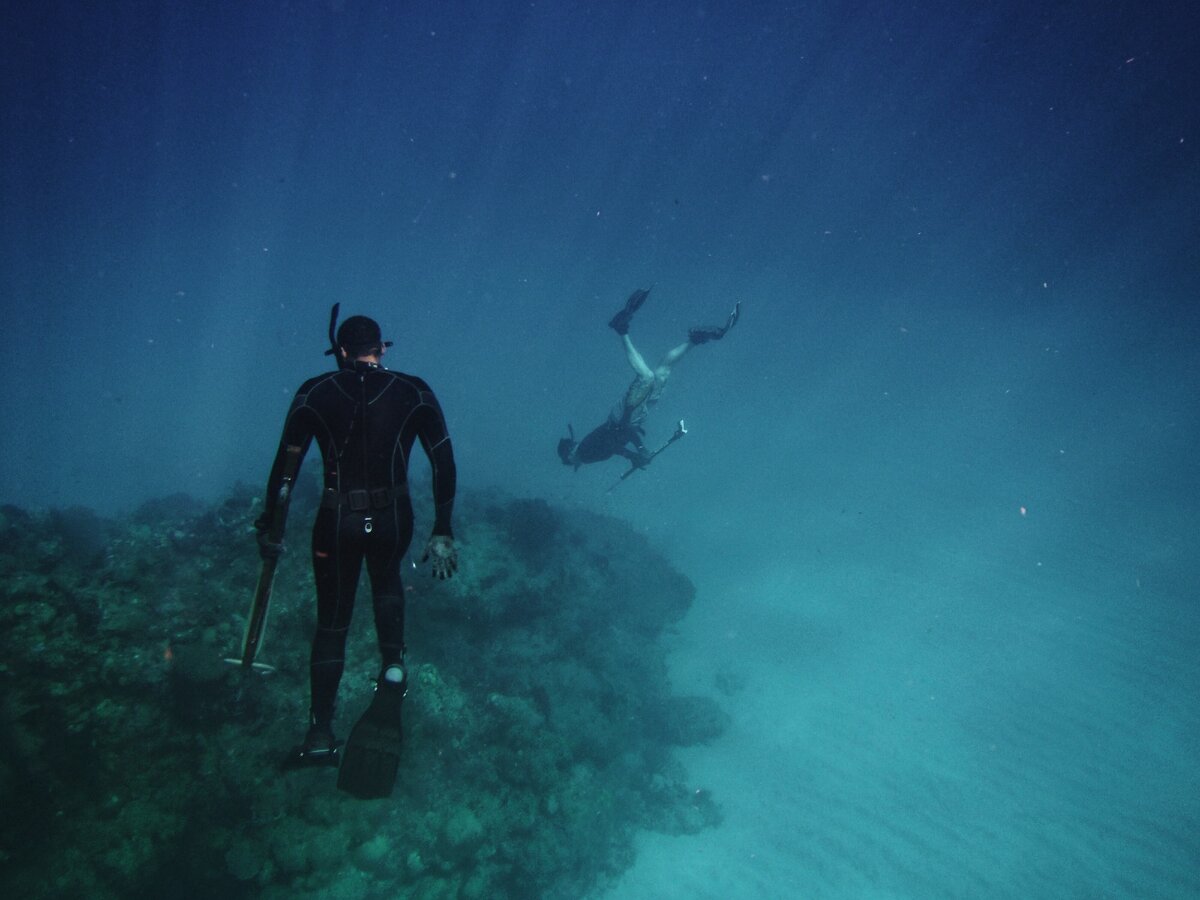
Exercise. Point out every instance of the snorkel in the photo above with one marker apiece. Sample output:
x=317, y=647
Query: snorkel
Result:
x=333, y=344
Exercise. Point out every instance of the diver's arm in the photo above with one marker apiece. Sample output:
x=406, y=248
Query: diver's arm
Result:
x=633, y=448
x=445, y=477
x=435, y=441
x=297, y=436
x=638, y=457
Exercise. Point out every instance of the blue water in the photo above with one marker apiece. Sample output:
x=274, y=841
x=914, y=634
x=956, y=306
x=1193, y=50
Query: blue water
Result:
x=939, y=493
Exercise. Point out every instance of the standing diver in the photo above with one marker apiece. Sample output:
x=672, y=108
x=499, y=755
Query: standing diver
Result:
x=365, y=419
x=621, y=433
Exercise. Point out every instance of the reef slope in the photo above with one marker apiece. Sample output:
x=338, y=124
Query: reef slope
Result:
x=539, y=726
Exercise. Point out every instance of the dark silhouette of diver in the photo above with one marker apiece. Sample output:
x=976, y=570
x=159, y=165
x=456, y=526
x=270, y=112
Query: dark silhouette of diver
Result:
x=622, y=432
x=365, y=419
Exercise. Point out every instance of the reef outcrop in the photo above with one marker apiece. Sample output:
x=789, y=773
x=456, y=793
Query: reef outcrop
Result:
x=539, y=727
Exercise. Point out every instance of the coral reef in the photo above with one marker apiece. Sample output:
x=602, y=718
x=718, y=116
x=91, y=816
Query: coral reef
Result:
x=539, y=724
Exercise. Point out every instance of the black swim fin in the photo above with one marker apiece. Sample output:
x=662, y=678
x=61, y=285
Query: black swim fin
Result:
x=320, y=748
x=620, y=322
x=705, y=334
x=371, y=756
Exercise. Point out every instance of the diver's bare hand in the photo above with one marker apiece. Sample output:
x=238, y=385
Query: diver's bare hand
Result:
x=444, y=554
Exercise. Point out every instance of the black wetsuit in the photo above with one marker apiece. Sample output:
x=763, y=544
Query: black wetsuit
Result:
x=365, y=420
x=611, y=439
x=622, y=432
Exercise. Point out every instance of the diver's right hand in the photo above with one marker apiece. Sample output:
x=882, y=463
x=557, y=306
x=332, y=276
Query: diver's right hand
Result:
x=444, y=554
x=268, y=549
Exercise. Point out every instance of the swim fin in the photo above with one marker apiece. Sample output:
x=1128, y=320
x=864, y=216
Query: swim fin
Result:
x=705, y=334
x=620, y=322
x=320, y=748
x=371, y=755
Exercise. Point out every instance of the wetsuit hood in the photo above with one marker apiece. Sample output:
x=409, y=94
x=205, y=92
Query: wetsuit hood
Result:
x=357, y=334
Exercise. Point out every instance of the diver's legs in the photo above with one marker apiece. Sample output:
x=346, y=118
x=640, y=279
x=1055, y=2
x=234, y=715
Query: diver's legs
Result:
x=388, y=544
x=672, y=357
x=337, y=560
x=635, y=359
x=696, y=336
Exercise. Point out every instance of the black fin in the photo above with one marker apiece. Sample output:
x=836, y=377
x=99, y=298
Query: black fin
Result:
x=708, y=333
x=371, y=756
x=620, y=322
x=320, y=748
